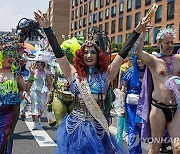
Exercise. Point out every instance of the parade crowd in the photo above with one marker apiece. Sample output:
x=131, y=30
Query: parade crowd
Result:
x=73, y=82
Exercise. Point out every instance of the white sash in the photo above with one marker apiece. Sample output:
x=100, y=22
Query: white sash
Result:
x=91, y=104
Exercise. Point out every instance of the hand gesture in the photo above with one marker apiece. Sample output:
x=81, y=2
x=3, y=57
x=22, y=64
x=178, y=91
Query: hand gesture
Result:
x=42, y=19
x=143, y=26
x=33, y=69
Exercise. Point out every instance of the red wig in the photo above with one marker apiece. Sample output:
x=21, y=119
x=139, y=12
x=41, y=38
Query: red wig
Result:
x=81, y=67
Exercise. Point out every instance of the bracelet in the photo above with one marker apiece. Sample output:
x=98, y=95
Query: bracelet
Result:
x=31, y=79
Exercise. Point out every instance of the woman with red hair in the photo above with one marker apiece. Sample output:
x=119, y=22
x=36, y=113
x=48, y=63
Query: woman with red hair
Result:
x=85, y=129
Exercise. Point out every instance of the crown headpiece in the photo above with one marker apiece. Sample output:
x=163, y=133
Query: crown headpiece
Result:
x=91, y=41
x=163, y=32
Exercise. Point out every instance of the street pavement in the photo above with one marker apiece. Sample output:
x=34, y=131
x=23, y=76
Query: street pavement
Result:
x=28, y=141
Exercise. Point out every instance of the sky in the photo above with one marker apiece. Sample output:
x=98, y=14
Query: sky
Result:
x=11, y=11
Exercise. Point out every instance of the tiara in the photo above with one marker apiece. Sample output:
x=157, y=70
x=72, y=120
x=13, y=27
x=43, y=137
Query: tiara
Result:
x=168, y=30
x=91, y=41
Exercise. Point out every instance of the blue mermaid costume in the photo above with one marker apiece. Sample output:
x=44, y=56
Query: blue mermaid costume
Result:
x=79, y=132
x=132, y=78
x=9, y=113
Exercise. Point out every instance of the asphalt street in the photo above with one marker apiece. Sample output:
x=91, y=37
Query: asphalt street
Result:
x=28, y=141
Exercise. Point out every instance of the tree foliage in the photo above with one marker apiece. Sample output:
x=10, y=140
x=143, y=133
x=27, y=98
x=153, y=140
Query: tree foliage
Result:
x=115, y=47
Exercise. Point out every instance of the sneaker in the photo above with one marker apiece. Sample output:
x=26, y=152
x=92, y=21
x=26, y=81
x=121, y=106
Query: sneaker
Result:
x=36, y=126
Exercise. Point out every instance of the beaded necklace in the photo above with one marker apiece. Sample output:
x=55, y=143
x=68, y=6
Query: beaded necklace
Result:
x=169, y=65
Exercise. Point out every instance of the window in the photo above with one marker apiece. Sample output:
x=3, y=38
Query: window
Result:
x=147, y=2
x=90, y=19
x=94, y=18
x=76, y=2
x=113, y=11
x=81, y=11
x=84, y=22
x=101, y=16
x=120, y=25
x=158, y=0
x=119, y=39
x=84, y=33
x=113, y=39
x=145, y=12
x=137, y=18
x=95, y=5
x=75, y=25
x=158, y=14
x=129, y=5
x=128, y=22
x=107, y=27
x=113, y=1
x=170, y=9
x=77, y=13
x=127, y=35
x=72, y=3
x=90, y=6
x=75, y=34
x=72, y=26
x=89, y=30
x=100, y=27
x=121, y=7
x=146, y=38
x=85, y=9
x=81, y=1
x=155, y=32
x=107, y=13
x=80, y=23
x=107, y=2
x=113, y=26
x=80, y=33
x=101, y=3
x=137, y=4
x=72, y=15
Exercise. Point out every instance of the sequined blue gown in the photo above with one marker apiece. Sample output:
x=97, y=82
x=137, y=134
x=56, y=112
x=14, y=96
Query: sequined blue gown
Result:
x=79, y=132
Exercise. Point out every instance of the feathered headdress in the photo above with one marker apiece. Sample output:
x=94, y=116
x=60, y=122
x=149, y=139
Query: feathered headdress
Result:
x=29, y=29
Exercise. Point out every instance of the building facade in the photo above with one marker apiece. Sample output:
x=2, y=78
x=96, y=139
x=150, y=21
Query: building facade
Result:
x=119, y=17
x=59, y=14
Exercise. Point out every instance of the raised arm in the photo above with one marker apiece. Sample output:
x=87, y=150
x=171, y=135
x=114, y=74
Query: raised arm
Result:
x=67, y=68
x=146, y=58
x=118, y=60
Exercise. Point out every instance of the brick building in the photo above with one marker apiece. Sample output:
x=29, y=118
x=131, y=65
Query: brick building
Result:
x=59, y=14
x=119, y=17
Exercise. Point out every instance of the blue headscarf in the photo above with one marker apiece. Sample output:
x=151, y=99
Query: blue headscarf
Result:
x=134, y=80
x=132, y=77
